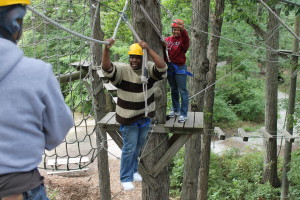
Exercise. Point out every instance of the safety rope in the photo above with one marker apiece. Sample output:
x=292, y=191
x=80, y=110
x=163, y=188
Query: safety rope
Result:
x=120, y=19
x=64, y=28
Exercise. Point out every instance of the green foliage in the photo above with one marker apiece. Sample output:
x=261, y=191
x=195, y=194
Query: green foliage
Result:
x=223, y=111
x=176, y=168
x=77, y=97
x=294, y=174
x=240, y=96
x=235, y=176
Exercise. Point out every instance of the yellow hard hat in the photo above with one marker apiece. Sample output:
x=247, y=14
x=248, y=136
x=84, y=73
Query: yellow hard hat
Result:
x=13, y=2
x=135, y=49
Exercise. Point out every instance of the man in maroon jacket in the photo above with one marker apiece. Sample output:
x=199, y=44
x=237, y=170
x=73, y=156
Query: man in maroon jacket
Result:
x=177, y=46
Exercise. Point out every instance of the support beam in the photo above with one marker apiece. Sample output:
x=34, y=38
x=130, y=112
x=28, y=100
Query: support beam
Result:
x=266, y=134
x=163, y=162
x=221, y=134
x=288, y=137
x=244, y=135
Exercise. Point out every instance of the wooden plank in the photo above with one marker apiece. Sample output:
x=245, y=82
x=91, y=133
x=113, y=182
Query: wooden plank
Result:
x=178, y=124
x=170, y=122
x=65, y=161
x=221, y=134
x=266, y=134
x=107, y=117
x=149, y=180
x=288, y=137
x=163, y=162
x=117, y=138
x=82, y=63
x=100, y=74
x=109, y=87
x=189, y=123
x=244, y=135
x=198, y=120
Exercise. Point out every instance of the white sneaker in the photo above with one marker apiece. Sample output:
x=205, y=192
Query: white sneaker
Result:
x=127, y=185
x=137, y=177
x=182, y=119
x=173, y=114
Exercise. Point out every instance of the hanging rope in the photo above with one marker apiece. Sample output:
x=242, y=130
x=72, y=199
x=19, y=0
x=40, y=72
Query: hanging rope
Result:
x=120, y=19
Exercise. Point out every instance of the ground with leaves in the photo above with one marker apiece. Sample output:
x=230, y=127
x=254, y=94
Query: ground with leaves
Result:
x=84, y=186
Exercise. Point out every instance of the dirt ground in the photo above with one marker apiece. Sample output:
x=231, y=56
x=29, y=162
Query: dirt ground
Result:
x=84, y=186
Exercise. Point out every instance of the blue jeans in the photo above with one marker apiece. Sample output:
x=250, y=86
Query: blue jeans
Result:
x=38, y=193
x=134, y=137
x=177, y=84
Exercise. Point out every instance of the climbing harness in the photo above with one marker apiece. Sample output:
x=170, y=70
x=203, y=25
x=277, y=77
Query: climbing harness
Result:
x=173, y=69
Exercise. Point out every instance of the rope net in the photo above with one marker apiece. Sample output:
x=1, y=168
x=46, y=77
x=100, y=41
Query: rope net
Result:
x=70, y=57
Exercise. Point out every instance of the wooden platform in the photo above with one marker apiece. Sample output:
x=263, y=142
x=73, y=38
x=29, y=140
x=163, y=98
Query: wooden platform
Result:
x=181, y=132
x=191, y=126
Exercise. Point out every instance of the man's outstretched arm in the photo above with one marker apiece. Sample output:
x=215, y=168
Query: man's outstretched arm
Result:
x=106, y=63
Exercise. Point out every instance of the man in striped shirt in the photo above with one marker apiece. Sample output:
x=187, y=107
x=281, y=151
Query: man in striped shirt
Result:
x=130, y=109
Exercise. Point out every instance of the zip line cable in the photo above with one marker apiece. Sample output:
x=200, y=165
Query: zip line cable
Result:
x=64, y=28
x=231, y=70
x=224, y=38
x=279, y=19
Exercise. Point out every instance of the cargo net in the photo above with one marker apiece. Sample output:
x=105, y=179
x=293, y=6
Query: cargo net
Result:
x=70, y=56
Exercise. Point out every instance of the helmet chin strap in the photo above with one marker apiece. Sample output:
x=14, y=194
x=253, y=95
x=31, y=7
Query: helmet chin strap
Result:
x=4, y=34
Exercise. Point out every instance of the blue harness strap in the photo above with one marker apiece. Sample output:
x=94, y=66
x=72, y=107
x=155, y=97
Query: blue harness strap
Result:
x=176, y=70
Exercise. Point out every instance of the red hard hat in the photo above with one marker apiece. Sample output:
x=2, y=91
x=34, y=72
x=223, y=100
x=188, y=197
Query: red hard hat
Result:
x=177, y=22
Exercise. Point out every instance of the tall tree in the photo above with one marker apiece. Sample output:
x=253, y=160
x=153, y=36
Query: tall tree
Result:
x=99, y=103
x=157, y=144
x=290, y=115
x=271, y=38
x=270, y=161
x=199, y=67
x=216, y=28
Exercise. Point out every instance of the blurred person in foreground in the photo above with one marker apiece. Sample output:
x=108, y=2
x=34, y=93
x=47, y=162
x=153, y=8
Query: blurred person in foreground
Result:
x=33, y=114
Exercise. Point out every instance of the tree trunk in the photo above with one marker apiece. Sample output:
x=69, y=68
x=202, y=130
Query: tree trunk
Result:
x=217, y=21
x=270, y=161
x=290, y=116
x=155, y=141
x=99, y=105
x=199, y=67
